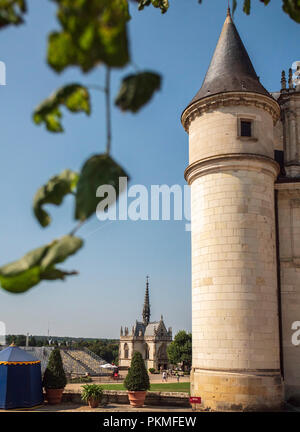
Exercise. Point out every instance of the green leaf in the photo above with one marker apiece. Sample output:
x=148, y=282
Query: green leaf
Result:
x=162, y=4
x=292, y=8
x=53, y=193
x=60, y=251
x=55, y=274
x=75, y=97
x=234, y=6
x=21, y=282
x=93, y=32
x=38, y=265
x=247, y=6
x=11, y=12
x=137, y=90
x=29, y=261
x=97, y=171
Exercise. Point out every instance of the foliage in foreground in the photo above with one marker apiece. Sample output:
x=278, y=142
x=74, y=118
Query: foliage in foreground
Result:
x=91, y=33
x=39, y=264
x=291, y=7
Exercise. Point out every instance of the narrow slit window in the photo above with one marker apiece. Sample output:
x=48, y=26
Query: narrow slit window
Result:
x=246, y=128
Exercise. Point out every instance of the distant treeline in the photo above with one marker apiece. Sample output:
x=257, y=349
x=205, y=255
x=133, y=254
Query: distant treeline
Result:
x=107, y=349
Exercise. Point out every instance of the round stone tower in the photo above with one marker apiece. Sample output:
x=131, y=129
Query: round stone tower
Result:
x=235, y=326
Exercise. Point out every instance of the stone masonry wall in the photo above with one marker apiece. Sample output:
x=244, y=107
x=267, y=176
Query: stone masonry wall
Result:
x=234, y=295
x=289, y=239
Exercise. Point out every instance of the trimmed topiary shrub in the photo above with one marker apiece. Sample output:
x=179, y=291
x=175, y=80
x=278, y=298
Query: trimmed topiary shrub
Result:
x=137, y=378
x=152, y=370
x=54, y=376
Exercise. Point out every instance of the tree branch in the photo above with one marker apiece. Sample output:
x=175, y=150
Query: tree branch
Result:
x=77, y=227
x=108, y=111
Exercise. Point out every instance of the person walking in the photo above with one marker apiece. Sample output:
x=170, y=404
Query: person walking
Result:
x=164, y=376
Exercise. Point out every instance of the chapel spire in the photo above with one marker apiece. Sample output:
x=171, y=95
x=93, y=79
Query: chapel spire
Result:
x=146, y=309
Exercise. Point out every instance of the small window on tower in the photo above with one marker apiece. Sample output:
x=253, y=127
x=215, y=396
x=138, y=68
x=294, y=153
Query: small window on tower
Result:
x=246, y=128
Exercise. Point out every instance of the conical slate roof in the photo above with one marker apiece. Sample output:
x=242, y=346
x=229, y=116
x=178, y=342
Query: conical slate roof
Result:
x=231, y=68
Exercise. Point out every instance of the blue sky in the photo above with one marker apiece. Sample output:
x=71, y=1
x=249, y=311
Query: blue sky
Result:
x=151, y=145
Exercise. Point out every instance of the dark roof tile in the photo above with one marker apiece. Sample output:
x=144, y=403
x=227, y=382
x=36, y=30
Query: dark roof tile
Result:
x=231, y=68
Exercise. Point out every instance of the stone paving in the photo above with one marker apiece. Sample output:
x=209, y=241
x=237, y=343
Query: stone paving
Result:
x=72, y=407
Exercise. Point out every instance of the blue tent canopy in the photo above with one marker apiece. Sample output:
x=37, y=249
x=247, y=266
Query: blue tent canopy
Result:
x=15, y=354
x=20, y=379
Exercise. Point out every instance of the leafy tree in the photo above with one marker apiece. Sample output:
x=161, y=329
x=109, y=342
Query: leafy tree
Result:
x=54, y=376
x=137, y=378
x=41, y=343
x=32, y=341
x=91, y=34
x=20, y=340
x=180, y=350
x=9, y=339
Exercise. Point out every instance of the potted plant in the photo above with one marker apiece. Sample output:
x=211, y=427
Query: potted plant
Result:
x=54, y=379
x=92, y=394
x=137, y=381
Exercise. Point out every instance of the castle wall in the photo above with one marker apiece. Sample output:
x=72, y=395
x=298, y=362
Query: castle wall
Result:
x=278, y=136
x=216, y=133
x=290, y=108
x=289, y=240
x=236, y=362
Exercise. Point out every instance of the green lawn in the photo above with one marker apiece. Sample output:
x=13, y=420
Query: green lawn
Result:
x=168, y=387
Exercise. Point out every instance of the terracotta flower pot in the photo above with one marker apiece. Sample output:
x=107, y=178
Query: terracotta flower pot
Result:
x=54, y=396
x=93, y=403
x=137, y=398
